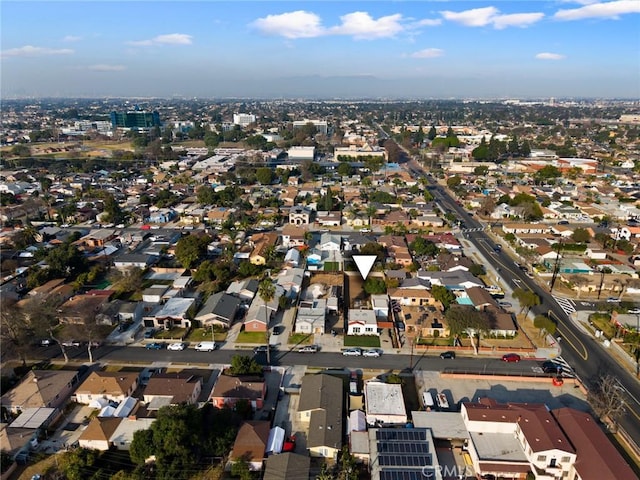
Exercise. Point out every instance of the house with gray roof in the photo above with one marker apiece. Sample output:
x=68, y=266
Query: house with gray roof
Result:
x=321, y=407
x=219, y=309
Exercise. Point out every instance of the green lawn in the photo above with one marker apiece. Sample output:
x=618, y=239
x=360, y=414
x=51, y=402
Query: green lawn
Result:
x=252, y=337
x=331, y=267
x=173, y=334
x=369, y=341
x=204, y=334
x=603, y=322
x=441, y=342
x=301, y=339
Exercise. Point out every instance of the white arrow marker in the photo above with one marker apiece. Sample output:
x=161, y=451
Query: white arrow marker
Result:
x=364, y=264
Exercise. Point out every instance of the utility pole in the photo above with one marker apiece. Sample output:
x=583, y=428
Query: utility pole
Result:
x=602, y=272
x=556, y=267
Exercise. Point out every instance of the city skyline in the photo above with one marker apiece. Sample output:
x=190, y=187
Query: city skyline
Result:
x=430, y=49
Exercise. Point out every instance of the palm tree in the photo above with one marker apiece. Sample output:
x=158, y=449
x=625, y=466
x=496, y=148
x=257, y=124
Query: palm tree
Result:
x=267, y=291
x=371, y=211
x=578, y=282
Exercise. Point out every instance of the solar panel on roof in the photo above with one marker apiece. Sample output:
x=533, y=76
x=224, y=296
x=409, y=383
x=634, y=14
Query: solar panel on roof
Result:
x=401, y=475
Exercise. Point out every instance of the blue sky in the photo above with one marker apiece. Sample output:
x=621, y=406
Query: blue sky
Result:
x=417, y=49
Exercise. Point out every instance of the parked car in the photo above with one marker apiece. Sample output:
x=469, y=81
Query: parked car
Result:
x=373, y=352
x=95, y=343
x=46, y=342
x=505, y=304
x=278, y=329
x=206, y=346
x=71, y=343
x=308, y=349
x=263, y=348
x=551, y=367
x=352, y=352
x=178, y=346
x=511, y=357
x=449, y=355
x=150, y=333
x=613, y=300
x=153, y=346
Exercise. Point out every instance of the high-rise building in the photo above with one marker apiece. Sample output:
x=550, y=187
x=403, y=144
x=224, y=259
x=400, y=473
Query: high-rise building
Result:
x=135, y=120
x=321, y=125
x=243, y=119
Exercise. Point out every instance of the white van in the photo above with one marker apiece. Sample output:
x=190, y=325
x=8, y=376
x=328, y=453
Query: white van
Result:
x=206, y=346
x=427, y=401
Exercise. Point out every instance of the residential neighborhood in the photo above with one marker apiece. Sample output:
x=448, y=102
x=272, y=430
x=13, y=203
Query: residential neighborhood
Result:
x=172, y=268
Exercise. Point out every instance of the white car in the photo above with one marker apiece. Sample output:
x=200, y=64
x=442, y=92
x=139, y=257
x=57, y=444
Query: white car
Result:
x=176, y=346
x=71, y=343
x=371, y=353
x=352, y=352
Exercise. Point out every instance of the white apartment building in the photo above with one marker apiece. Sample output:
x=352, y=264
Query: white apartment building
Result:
x=243, y=119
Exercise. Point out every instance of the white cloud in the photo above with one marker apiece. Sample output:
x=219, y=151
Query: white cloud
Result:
x=361, y=25
x=298, y=24
x=428, y=53
x=429, y=22
x=31, y=51
x=71, y=38
x=106, y=68
x=476, y=17
x=550, y=56
x=481, y=17
x=600, y=10
x=168, y=39
x=516, y=20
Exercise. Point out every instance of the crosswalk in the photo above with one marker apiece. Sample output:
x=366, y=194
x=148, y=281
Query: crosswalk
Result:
x=467, y=230
x=565, y=369
x=567, y=305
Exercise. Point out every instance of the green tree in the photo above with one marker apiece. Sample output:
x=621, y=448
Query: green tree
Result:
x=244, y=365
x=477, y=269
x=206, y=195
x=443, y=295
x=543, y=322
x=264, y=175
x=373, y=248
x=192, y=248
x=466, y=319
x=432, y=133
x=581, y=235
x=421, y=247
x=547, y=173
x=375, y=286
x=454, y=182
x=527, y=298
x=344, y=169
x=77, y=463
x=113, y=209
x=240, y=468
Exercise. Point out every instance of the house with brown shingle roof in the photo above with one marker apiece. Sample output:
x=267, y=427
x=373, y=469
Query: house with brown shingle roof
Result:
x=251, y=443
x=481, y=298
x=597, y=458
x=172, y=389
x=98, y=433
x=514, y=438
x=41, y=388
x=287, y=466
x=228, y=390
x=115, y=386
x=261, y=243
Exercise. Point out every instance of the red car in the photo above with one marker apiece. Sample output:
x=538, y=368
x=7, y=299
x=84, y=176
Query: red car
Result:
x=511, y=357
